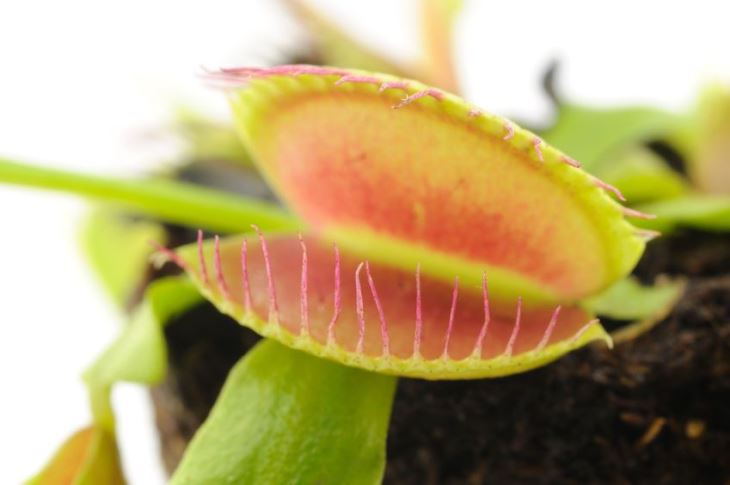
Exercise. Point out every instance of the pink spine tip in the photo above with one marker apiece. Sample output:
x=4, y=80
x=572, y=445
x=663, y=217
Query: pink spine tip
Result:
x=487, y=317
x=570, y=161
x=647, y=234
x=474, y=112
x=434, y=93
x=582, y=331
x=510, y=131
x=304, y=297
x=218, y=266
x=273, y=305
x=537, y=144
x=201, y=258
x=610, y=188
x=548, y=330
x=241, y=75
x=245, y=287
x=285, y=70
x=452, y=314
x=351, y=78
x=393, y=85
x=337, y=300
x=418, y=335
x=385, y=338
x=360, y=310
x=515, y=330
x=171, y=255
x=629, y=212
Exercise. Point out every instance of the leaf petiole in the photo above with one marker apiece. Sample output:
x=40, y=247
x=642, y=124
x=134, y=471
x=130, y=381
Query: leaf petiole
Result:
x=171, y=201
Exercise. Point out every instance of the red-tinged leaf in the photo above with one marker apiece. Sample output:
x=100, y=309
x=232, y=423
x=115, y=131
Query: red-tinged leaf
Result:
x=435, y=182
x=89, y=457
x=310, y=296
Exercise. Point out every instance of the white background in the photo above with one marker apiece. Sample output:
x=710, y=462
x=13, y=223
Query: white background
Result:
x=84, y=83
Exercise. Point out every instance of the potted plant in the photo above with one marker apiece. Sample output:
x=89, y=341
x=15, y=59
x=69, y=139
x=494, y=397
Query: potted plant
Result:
x=413, y=236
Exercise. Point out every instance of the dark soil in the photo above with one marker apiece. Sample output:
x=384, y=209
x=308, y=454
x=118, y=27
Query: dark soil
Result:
x=588, y=418
x=654, y=410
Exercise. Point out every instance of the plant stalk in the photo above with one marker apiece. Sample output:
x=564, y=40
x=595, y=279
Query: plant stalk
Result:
x=171, y=201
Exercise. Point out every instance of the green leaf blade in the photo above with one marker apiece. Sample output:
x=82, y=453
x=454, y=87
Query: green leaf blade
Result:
x=629, y=300
x=139, y=354
x=589, y=134
x=118, y=248
x=89, y=457
x=705, y=212
x=286, y=417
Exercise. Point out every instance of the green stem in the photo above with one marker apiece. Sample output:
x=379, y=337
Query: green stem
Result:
x=171, y=201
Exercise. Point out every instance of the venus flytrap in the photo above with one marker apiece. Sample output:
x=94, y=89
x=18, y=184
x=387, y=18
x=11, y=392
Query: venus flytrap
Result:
x=427, y=238
x=331, y=148
x=413, y=260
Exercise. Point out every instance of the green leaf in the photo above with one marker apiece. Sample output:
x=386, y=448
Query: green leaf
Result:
x=641, y=176
x=709, y=141
x=89, y=457
x=170, y=201
x=589, y=134
x=706, y=212
x=286, y=417
x=629, y=300
x=118, y=248
x=207, y=139
x=139, y=354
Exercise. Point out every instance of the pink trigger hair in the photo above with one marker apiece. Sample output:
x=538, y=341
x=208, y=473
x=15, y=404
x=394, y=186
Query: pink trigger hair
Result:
x=304, y=300
x=360, y=310
x=337, y=300
x=245, y=287
x=478, y=345
x=418, y=335
x=273, y=305
x=201, y=258
x=220, y=279
x=452, y=314
x=515, y=330
x=383, y=324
